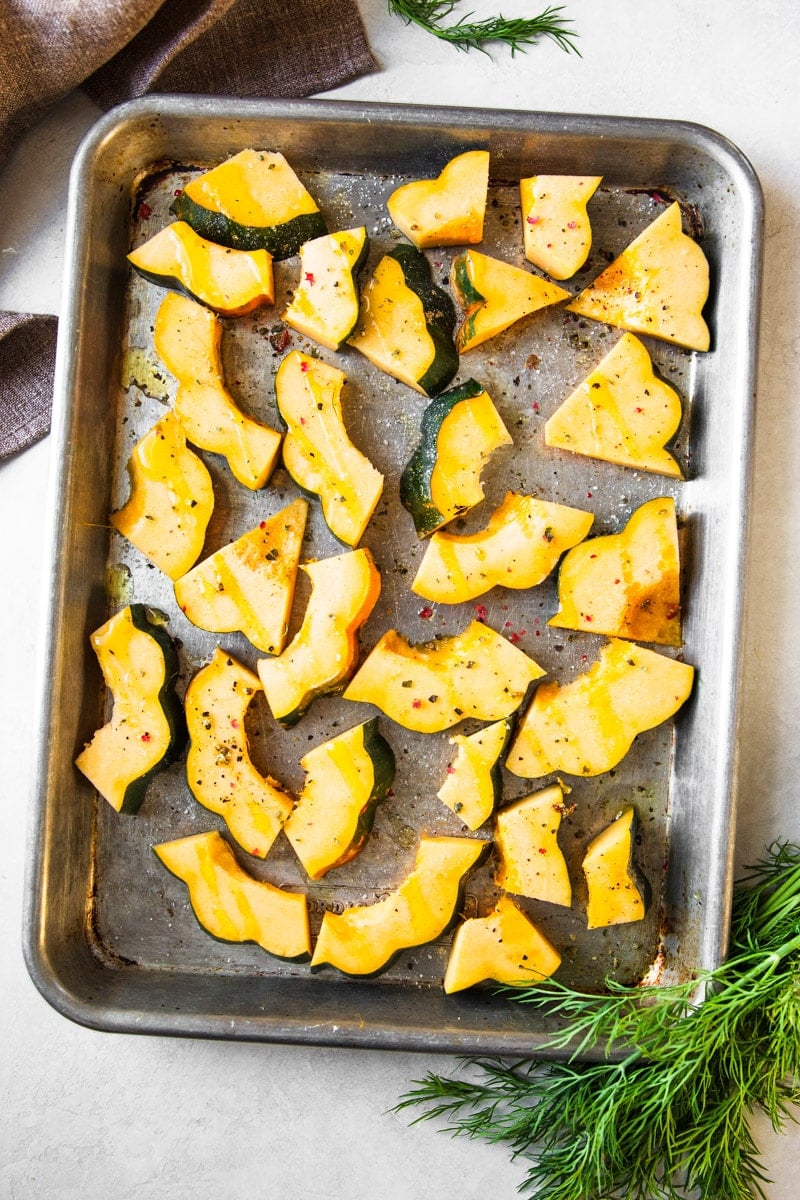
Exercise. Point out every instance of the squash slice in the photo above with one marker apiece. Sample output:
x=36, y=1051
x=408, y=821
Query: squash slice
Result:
x=317, y=452
x=346, y=778
x=556, y=227
x=495, y=295
x=171, y=499
x=474, y=782
x=364, y=939
x=618, y=891
x=249, y=584
x=427, y=688
x=232, y=282
x=252, y=201
x=586, y=727
x=503, y=947
x=658, y=285
x=405, y=325
x=460, y=430
x=519, y=548
x=324, y=651
x=526, y=838
x=146, y=731
x=621, y=413
x=626, y=584
x=448, y=210
x=219, y=770
x=187, y=340
x=325, y=302
x=230, y=904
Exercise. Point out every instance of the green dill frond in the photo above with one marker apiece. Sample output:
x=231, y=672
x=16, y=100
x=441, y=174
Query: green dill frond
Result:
x=465, y=34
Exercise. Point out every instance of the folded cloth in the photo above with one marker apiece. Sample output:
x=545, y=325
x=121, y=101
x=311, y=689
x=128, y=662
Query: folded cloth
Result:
x=121, y=49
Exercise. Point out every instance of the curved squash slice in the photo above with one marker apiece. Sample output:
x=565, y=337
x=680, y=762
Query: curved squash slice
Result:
x=219, y=771
x=618, y=891
x=317, y=452
x=230, y=904
x=519, y=547
x=364, y=939
x=252, y=201
x=187, y=339
x=232, y=282
x=505, y=947
x=621, y=413
x=474, y=780
x=325, y=303
x=526, y=838
x=249, y=584
x=658, y=285
x=430, y=687
x=171, y=499
x=345, y=780
x=324, y=651
x=586, y=727
x=442, y=479
x=146, y=730
x=448, y=210
x=405, y=324
x=494, y=295
x=555, y=223
x=626, y=584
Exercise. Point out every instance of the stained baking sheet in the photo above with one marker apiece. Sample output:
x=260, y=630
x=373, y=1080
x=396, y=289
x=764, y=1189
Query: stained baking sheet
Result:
x=110, y=937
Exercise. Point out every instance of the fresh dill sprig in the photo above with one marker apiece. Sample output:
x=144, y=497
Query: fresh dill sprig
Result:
x=466, y=34
x=672, y=1116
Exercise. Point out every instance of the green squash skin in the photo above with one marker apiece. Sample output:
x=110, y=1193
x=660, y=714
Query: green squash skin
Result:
x=383, y=766
x=170, y=705
x=172, y=284
x=452, y=921
x=282, y=241
x=415, y=481
x=440, y=317
x=467, y=294
x=297, y=958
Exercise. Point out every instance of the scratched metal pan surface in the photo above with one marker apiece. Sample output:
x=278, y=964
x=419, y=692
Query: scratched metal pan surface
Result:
x=110, y=937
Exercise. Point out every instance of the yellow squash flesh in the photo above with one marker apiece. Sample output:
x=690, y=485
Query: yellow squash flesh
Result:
x=392, y=331
x=187, y=339
x=219, y=770
x=231, y=282
x=520, y=546
x=325, y=302
x=468, y=436
x=526, y=838
x=556, y=227
x=364, y=939
x=658, y=285
x=626, y=584
x=324, y=651
x=233, y=906
x=621, y=413
x=254, y=188
x=474, y=781
x=448, y=210
x=618, y=893
x=429, y=687
x=249, y=584
x=586, y=727
x=495, y=295
x=171, y=499
x=317, y=451
x=505, y=947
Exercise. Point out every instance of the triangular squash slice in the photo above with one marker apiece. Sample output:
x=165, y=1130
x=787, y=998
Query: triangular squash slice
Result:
x=531, y=862
x=496, y=294
x=325, y=302
x=626, y=584
x=474, y=782
x=448, y=210
x=658, y=285
x=555, y=224
x=505, y=947
x=621, y=413
x=248, y=585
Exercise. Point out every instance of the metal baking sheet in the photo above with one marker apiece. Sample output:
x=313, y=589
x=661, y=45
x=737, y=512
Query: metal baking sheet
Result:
x=110, y=938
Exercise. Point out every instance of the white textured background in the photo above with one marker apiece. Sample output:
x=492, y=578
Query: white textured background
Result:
x=95, y=1116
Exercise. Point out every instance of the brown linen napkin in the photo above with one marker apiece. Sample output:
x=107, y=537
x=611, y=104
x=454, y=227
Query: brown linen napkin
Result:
x=126, y=48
